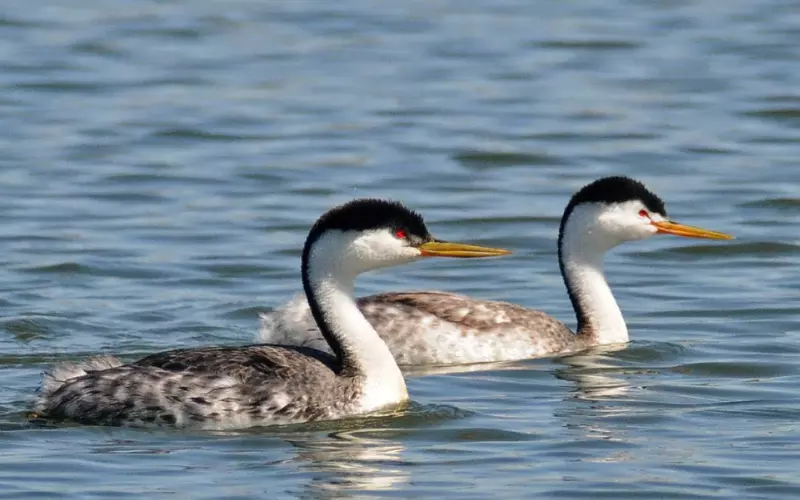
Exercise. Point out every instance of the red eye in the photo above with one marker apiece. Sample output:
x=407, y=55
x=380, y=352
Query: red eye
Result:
x=400, y=234
x=643, y=213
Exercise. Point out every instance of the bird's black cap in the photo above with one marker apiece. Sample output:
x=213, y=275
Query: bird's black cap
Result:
x=369, y=213
x=616, y=189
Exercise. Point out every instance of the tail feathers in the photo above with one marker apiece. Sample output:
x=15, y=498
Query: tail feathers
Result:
x=58, y=375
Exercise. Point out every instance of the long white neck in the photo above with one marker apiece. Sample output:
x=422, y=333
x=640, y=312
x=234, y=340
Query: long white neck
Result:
x=581, y=257
x=361, y=351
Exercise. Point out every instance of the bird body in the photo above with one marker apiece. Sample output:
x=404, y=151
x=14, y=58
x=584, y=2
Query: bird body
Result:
x=214, y=388
x=260, y=385
x=422, y=328
x=437, y=328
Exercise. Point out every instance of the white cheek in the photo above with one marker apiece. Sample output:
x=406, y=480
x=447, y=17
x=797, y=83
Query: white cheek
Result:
x=380, y=248
x=638, y=228
x=398, y=251
x=657, y=218
x=626, y=225
x=411, y=253
x=649, y=229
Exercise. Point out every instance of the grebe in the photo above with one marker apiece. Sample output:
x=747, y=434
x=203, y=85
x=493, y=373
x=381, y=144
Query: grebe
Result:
x=439, y=328
x=236, y=387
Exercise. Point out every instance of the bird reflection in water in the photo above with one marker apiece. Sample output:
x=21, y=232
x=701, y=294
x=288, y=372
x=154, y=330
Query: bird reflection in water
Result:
x=350, y=462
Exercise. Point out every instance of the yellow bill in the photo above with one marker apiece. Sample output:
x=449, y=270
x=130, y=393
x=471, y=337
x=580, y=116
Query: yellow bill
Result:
x=669, y=227
x=460, y=250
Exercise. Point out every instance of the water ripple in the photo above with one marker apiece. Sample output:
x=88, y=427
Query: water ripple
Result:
x=162, y=163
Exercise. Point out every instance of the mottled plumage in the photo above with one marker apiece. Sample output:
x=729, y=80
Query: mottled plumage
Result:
x=211, y=388
x=433, y=328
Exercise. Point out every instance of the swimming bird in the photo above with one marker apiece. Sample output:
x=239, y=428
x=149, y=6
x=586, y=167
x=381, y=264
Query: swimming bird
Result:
x=256, y=385
x=440, y=328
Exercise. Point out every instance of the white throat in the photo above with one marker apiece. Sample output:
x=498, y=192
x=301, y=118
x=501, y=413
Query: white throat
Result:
x=332, y=282
x=583, y=248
